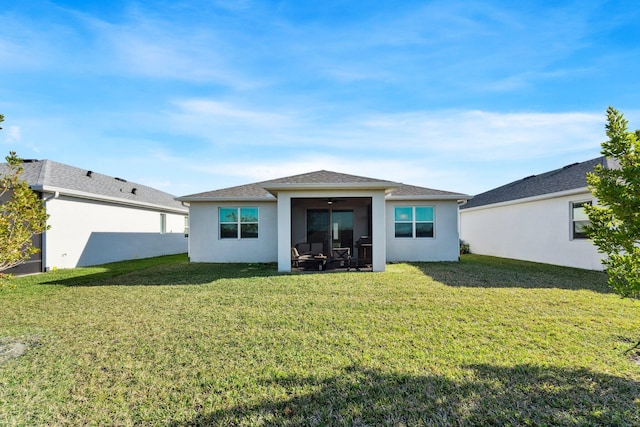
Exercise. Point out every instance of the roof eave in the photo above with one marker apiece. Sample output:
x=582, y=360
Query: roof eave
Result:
x=98, y=197
x=558, y=194
x=226, y=199
x=431, y=197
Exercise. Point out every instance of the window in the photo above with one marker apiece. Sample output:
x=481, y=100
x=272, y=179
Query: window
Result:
x=238, y=223
x=163, y=223
x=414, y=221
x=579, y=219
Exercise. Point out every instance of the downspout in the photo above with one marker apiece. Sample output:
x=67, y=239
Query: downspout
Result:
x=55, y=195
x=187, y=230
x=459, y=218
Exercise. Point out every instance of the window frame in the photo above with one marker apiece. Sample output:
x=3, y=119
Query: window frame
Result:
x=239, y=222
x=414, y=221
x=573, y=205
x=163, y=223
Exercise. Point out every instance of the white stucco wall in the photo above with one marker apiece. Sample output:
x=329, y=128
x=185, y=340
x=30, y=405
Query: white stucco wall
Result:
x=444, y=246
x=536, y=230
x=85, y=232
x=206, y=246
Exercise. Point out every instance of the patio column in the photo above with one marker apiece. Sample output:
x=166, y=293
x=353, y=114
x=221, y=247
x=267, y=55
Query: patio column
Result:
x=378, y=232
x=284, y=232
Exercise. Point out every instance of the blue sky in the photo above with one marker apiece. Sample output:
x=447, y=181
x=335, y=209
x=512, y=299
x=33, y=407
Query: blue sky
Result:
x=197, y=95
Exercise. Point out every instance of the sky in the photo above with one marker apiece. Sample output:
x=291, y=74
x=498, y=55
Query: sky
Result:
x=193, y=96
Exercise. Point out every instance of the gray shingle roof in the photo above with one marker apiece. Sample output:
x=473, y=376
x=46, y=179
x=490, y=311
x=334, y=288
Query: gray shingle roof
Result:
x=49, y=175
x=323, y=177
x=248, y=191
x=569, y=177
x=405, y=190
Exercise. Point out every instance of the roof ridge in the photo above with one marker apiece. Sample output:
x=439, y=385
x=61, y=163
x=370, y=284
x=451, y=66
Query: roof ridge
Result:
x=321, y=176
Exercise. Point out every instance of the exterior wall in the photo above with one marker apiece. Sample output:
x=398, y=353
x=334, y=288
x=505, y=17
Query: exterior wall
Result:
x=206, y=246
x=87, y=232
x=538, y=230
x=279, y=228
x=444, y=246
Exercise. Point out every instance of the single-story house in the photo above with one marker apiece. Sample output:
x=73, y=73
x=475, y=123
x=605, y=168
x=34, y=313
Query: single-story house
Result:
x=95, y=218
x=537, y=218
x=380, y=220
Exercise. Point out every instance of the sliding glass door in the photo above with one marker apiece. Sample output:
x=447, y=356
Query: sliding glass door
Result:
x=342, y=229
x=331, y=227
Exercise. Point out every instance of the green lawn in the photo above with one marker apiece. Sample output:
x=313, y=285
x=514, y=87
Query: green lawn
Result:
x=162, y=342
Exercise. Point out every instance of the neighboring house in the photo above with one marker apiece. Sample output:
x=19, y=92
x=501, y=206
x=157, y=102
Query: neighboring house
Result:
x=261, y=222
x=95, y=219
x=538, y=218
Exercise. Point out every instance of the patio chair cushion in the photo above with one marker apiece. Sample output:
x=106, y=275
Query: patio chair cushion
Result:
x=303, y=248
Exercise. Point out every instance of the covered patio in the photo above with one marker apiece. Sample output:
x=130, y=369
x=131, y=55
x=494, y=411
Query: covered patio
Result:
x=332, y=216
x=338, y=228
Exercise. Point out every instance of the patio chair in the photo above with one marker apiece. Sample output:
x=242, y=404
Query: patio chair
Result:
x=341, y=256
x=298, y=260
x=316, y=248
x=303, y=248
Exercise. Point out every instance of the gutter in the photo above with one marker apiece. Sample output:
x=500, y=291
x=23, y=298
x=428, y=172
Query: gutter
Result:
x=92, y=196
x=225, y=199
x=55, y=195
x=432, y=197
x=530, y=199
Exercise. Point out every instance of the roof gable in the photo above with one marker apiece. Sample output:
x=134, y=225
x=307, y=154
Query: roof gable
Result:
x=570, y=177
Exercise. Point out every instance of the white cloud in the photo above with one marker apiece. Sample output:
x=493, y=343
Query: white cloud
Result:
x=482, y=135
x=202, y=110
x=13, y=134
x=468, y=135
x=466, y=151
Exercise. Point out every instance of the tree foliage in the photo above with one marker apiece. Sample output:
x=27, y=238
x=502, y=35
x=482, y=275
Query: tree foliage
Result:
x=615, y=221
x=23, y=216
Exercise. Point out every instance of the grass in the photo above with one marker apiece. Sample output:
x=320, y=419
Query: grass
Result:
x=160, y=341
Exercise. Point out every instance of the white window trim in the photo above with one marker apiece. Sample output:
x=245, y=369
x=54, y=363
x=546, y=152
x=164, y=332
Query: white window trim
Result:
x=239, y=223
x=413, y=221
x=572, y=220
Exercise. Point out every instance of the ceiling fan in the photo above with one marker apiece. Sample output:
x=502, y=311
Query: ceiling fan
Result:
x=331, y=201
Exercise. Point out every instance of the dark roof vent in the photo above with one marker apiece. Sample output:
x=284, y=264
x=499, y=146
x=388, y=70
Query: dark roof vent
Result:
x=120, y=179
x=29, y=160
x=134, y=190
x=89, y=173
x=571, y=165
x=528, y=177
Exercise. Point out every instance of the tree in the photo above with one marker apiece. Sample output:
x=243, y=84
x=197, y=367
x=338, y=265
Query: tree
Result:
x=23, y=216
x=615, y=221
